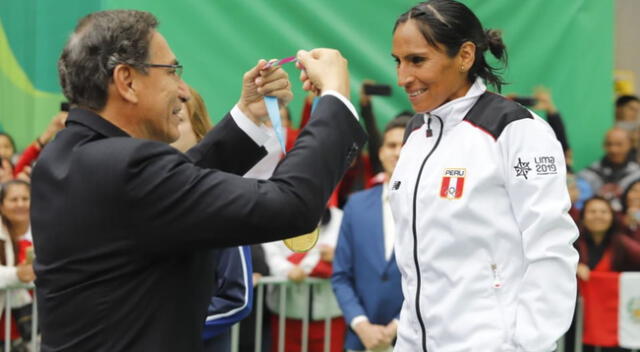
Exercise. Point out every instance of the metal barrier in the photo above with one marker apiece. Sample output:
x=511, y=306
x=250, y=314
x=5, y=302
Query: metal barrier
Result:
x=7, y=317
x=258, y=305
x=269, y=281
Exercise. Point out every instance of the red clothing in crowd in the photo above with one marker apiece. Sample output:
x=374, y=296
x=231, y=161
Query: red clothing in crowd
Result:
x=29, y=155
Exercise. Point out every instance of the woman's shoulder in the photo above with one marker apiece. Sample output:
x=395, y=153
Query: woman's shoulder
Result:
x=493, y=113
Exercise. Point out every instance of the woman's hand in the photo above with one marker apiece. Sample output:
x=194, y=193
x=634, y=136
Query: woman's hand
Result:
x=25, y=273
x=583, y=272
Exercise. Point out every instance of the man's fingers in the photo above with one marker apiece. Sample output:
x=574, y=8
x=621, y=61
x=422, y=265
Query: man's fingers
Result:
x=255, y=71
x=269, y=88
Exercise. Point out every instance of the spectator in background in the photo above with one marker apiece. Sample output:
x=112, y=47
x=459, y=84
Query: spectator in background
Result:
x=322, y=303
x=599, y=245
x=15, y=264
x=626, y=117
x=7, y=146
x=248, y=325
x=31, y=153
x=627, y=109
x=366, y=279
x=544, y=102
x=375, y=138
x=629, y=259
x=609, y=176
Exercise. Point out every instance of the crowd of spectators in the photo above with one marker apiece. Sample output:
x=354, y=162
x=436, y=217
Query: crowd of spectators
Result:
x=605, y=205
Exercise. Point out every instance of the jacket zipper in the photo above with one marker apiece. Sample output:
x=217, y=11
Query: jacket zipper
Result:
x=414, y=227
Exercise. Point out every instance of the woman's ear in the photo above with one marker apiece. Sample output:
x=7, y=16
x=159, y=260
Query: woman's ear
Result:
x=467, y=56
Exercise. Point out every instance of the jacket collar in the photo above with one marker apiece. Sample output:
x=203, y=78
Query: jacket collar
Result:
x=95, y=122
x=453, y=112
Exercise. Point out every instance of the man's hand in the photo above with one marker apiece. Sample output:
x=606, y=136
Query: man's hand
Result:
x=372, y=336
x=297, y=274
x=25, y=272
x=258, y=83
x=322, y=70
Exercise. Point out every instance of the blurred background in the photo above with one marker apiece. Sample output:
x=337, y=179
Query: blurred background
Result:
x=583, y=51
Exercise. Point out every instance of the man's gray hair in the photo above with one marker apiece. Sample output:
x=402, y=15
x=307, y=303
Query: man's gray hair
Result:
x=100, y=42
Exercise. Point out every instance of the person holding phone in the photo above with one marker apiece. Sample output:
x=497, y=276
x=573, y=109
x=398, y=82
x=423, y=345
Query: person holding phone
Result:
x=32, y=152
x=479, y=197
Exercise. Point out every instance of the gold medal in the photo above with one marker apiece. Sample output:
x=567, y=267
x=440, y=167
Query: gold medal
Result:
x=303, y=243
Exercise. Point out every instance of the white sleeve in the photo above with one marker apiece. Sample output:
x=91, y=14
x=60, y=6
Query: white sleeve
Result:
x=535, y=174
x=258, y=134
x=8, y=276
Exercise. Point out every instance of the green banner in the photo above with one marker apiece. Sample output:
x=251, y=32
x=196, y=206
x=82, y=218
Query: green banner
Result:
x=564, y=45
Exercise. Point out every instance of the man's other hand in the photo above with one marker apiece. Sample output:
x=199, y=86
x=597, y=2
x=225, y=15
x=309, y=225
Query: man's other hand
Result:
x=258, y=83
x=322, y=70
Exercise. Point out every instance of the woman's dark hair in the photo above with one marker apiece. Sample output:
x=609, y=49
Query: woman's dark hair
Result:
x=625, y=99
x=612, y=230
x=451, y=24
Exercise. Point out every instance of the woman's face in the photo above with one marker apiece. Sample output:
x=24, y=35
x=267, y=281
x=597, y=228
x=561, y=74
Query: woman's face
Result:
x=597, y=216
x=15, y=205
x=429, y=77
x=187, y=137
x=6, y=148
x=633, y=196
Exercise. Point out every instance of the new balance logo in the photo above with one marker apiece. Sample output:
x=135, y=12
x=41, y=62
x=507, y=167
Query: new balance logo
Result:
x=395, y=186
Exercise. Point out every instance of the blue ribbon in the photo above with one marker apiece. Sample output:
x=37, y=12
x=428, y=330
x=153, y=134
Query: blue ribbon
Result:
x=274, y=114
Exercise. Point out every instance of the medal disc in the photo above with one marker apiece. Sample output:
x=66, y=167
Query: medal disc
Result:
x=303, y=243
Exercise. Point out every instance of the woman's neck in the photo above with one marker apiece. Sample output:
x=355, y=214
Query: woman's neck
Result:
x=598, y=237
x=16, y=230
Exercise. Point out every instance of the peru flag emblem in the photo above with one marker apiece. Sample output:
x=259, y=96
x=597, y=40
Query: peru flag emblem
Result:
x=452, y=183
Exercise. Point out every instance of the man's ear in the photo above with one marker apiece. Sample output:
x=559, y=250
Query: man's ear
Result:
x=123, y=78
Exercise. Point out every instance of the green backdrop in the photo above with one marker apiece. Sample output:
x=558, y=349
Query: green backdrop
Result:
x=564, y=45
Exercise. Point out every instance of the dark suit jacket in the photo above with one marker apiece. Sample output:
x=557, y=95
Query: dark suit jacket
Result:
x=122, y=225
x=365, y=283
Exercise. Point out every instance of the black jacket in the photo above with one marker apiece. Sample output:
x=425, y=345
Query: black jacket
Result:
x=122, y=225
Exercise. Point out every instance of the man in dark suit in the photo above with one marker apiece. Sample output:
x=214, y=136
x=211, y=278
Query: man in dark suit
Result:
x=123, y=222
x=366, y=279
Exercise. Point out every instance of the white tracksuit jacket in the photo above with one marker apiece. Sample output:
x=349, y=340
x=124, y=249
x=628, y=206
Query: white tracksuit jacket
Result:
x=484, y=240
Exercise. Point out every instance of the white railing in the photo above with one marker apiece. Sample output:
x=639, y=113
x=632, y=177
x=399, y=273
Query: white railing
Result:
x=261, y=286
x=7, y=317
